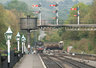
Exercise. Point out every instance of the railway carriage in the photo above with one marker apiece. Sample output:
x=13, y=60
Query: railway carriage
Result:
x=54, y=45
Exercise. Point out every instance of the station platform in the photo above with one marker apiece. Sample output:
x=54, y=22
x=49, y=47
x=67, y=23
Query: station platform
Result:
x=30, y=61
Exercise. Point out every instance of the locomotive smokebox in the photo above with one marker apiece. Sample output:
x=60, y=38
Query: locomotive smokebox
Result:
x=28, y=23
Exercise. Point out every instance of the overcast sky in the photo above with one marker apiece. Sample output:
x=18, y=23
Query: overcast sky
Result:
x=84, y=1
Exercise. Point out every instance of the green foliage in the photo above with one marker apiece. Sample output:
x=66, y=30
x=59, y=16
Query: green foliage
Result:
x=52, y=37
x=18, y=5
x=92, y=37
x=3, y=54
x=70, y=35
x=83, y=11
x=61, y=31
x=90, y=47
x=83, y=34
x=2, y=27
x=81, y=40
x=8, y=18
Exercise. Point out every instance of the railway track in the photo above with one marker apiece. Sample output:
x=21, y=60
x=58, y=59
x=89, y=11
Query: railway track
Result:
x=73, y=62
x=51, y=63
x=84, y=56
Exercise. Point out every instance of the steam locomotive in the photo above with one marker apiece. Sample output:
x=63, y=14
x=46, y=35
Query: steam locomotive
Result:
x=40, y=46
x=49, y=45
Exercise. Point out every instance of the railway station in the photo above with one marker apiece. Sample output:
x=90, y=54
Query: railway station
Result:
x=47, y=34
x=49, y=61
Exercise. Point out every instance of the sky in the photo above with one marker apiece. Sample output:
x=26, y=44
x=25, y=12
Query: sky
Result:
x=84, y=1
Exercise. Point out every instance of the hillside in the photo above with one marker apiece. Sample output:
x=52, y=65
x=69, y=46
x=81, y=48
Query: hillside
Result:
x=64, y=7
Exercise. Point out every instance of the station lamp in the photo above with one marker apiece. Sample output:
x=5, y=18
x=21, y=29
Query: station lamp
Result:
x=18, y=36
x=18, y=40
x=23, y=43
x=8, y=36
x=23, y=38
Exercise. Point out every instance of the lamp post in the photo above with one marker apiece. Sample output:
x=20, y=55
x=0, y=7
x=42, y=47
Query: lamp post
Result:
x=23, y=40
x=24, y=43
x=18, y=40
x=8, y=36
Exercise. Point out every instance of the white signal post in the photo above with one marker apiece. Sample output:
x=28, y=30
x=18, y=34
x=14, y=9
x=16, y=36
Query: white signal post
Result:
x=40, y=16
x=56, y=6
x=57, y=21
x=78, y=16
x=78, y=13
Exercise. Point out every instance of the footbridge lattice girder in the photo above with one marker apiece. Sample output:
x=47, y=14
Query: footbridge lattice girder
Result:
x=79, y=27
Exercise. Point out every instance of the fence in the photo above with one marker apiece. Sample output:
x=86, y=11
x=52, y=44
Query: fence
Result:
x=14, y=59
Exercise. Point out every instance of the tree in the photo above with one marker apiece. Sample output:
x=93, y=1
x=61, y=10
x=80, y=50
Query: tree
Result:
x=18, y=5
x=83, y=11
x=52, y=37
